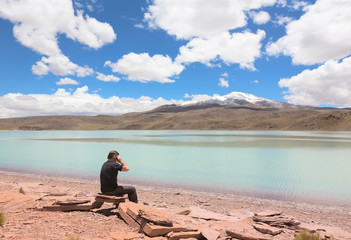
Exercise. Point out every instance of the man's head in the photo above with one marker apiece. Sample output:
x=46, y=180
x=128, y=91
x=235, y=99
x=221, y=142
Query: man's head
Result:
x=112, y=154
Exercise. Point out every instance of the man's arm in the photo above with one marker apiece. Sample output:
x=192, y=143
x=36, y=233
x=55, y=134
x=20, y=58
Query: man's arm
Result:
x=125, y=167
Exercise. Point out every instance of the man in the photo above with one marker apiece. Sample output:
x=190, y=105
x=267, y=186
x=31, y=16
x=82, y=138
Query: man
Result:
x=108, y=177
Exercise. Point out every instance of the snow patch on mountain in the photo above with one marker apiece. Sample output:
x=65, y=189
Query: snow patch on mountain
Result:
x=234, y=98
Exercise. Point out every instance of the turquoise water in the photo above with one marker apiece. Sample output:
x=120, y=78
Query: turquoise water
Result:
x=299, y=166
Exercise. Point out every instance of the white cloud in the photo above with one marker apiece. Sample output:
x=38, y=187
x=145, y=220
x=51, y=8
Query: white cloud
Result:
x=37, y=25
x=241, y=48
x=322, y=33
x=225, y=74
x=107, y=78
x=60, y=65
x=282, y=20
x=186, y=19
x=328, y=84
x=297, y=4
x=223, y=83
x=143, y=68
x=261, y=17
x=67, y=81
x=80, y=102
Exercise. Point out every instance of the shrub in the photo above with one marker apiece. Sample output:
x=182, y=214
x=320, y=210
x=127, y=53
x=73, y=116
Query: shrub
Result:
x=307, y=236
x=21, y=190
x=2, y=219
x=72, y=237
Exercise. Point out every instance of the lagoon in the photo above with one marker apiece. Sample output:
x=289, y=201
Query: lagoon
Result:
x=285, y=165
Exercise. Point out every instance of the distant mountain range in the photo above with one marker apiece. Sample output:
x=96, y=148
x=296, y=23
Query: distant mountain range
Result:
x=235, y=111
x=239, y=98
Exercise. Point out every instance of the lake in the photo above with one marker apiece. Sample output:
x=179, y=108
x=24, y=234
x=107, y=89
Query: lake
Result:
x=286, y=165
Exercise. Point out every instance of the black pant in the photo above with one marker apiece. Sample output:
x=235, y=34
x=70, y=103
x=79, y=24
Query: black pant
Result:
x=120, y=190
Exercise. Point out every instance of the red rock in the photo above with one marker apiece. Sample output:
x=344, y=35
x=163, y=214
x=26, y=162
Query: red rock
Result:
x=268, y=213
x=124, y=236
x=266, y=229
x=182, y=235
x=210, y=234
x=122, y=210
x=154, y=230
x=156, y=217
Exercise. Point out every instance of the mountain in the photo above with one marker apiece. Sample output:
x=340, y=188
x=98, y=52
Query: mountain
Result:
x=235, y=111
x=239, y=99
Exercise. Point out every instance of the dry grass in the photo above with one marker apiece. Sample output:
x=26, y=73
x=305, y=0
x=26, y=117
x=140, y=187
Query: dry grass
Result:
x=2, y=219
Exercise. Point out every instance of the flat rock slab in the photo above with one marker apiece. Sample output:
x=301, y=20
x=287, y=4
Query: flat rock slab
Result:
x=197, y=212
x=267, y=229
x=268, y=213
x=111, y=199
x=209, y=233
x=80, y=207
x=282, y=221
x=72, y=202
x=244, y=230
x=13, y=200
x=183, y=235
x=156, y=217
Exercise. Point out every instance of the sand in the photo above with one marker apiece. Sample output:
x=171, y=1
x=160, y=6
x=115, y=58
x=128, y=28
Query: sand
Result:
x=29, y=223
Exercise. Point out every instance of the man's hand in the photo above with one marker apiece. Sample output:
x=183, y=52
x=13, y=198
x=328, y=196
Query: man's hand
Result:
x=125, y=167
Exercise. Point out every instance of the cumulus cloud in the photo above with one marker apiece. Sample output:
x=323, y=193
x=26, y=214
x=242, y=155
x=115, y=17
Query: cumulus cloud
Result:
x=328, y=84
x=223, y=83
x=143, y=68
x=67, y=81
x=60, y=65
x=37, y=25
x=107, y=78
x=241, y=48
x=80, y=102
x=261, y=17
x=312, y=38
x=187, y=19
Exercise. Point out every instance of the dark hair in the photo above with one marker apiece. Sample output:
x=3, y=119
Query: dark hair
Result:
x=112, y=154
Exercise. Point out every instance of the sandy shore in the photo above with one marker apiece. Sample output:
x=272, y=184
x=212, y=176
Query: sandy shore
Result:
x=30, y=223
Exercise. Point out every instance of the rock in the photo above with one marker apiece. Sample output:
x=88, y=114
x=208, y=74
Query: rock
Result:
x=266, y=229
x=210, y=234
x=124, y=236
x=268, y=213
x=72, y=202
x=111, y=199
x=122, y=210
x=281, y=221
x=244, y=230
x=183, y=235
x=65, y=208
x=154, y=230
x=242, y=235
x=241, y=213
x=156, y=217
x=197, y=212
x=13, y=200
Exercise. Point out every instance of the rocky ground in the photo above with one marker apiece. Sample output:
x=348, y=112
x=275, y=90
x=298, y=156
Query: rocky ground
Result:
x=25, y=221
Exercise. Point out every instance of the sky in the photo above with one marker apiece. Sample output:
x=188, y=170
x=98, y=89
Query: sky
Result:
x=91, y=57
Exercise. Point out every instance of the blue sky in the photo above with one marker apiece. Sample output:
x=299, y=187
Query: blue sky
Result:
x=116, y=56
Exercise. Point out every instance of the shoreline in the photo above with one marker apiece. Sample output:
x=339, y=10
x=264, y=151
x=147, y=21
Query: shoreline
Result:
x=143, y=189
x=97, y=223
x=191, y=188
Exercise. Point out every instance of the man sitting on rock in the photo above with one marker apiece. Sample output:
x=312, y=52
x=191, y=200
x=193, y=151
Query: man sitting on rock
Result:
x=108, y=177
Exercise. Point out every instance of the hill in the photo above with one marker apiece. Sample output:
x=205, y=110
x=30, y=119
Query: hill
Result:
x=207, y=116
